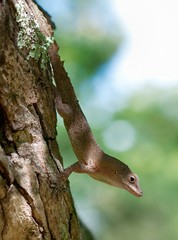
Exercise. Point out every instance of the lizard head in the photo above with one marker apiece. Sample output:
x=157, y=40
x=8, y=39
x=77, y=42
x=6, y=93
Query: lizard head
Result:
x=126, y=179
x=121, y=176
x=130, y=182
x=116, y=173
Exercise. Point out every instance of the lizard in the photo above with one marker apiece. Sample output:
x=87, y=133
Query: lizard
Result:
x=92, y=160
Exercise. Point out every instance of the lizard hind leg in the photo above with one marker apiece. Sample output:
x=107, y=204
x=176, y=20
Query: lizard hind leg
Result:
x=63, y=109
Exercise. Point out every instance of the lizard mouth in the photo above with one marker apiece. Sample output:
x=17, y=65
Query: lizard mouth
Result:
x=135, y=190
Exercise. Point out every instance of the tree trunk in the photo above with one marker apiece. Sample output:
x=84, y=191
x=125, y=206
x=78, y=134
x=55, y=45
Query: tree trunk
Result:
x=33, y=203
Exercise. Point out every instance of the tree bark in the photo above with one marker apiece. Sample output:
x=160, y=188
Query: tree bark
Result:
x=33, y=203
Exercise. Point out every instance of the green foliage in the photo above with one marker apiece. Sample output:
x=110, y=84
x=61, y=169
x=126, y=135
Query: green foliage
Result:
x=84, y=56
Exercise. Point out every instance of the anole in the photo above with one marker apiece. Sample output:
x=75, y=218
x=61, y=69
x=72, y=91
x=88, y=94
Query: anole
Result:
x=91, y=159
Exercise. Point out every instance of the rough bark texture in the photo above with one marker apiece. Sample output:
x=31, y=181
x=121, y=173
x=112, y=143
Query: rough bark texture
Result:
x=33, y=204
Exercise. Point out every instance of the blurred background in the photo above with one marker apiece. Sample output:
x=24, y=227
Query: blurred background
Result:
x=122, y=58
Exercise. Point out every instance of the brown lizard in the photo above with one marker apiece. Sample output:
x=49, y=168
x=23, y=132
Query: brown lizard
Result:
x=91, y=159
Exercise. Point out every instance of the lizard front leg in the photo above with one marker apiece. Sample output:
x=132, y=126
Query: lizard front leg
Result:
x=79, y=167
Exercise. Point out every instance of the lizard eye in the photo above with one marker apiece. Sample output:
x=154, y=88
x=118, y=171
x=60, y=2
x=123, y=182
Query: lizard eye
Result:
x=131, y=179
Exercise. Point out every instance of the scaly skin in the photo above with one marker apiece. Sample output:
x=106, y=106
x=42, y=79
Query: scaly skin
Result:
x=91, y=159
